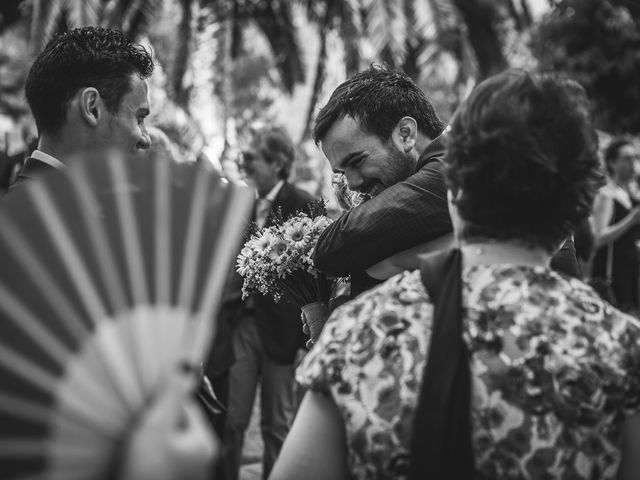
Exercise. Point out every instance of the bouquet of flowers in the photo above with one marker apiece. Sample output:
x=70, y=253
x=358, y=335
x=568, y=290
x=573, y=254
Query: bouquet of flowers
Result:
x=277, y=261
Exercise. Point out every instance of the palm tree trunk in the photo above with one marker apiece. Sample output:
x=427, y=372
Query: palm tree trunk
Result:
x=226, y=10
x=480, y=18
x=36, y=32
x=181, y=60
x=321, y=71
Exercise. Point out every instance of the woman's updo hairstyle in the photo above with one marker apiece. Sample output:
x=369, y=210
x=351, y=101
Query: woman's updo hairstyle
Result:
x=521, y=159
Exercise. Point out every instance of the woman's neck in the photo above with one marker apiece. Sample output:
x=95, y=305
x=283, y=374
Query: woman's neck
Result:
x=497, y=252
x=621, y=183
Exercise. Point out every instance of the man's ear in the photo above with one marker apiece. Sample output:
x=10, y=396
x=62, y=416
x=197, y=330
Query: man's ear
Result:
x=405, y=134
x=278, y=161
x=91, y=105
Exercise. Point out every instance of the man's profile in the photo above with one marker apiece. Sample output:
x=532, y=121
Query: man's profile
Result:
x=87, y=91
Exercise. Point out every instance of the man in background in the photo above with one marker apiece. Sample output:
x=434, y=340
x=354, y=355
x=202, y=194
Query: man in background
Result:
x=380, y=132
x=266, y=335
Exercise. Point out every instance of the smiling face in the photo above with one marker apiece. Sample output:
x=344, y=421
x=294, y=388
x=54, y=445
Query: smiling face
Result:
x=623, y=166
x=124, y=129
x=260, y=173
x=368, y=164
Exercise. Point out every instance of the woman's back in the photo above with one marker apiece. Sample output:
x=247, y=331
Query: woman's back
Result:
x=554, y=370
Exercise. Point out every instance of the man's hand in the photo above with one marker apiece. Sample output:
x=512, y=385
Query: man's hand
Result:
x=173, y=440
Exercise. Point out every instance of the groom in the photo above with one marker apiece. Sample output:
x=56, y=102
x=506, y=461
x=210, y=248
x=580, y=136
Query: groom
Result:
x=382, y=135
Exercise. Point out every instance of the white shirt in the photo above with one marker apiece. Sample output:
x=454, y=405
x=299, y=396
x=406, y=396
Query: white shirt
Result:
x=48, y=159
x=263, y=205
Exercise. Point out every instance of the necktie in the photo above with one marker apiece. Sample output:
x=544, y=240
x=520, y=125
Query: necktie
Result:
x=262, y=211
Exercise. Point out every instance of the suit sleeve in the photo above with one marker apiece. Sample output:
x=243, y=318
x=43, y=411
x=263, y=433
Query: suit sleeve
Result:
x=404, y=215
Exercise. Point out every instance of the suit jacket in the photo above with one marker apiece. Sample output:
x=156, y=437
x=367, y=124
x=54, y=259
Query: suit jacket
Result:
x=407, y=214
x=31, y=169
x=279, y=324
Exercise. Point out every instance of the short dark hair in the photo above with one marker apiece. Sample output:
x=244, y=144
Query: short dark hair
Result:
x=274, y=143
x=522, y=160
x=378, y=98
x=84, y=57
x=613, y=150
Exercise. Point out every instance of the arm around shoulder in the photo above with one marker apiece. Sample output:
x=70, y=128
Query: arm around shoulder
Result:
x=403, y=216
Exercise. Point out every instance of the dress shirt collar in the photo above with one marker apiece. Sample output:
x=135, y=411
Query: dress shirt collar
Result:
x=273, y=193
x=48, y=159
x=434, y=151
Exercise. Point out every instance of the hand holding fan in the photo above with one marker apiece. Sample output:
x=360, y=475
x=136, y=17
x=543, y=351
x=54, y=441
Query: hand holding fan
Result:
x=110, y=277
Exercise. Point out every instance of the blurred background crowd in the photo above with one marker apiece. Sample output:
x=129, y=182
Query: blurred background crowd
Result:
x=228, y=67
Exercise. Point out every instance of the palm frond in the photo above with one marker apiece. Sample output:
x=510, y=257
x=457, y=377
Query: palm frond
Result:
x=275, y=21
x=448, y=24
x=9, y=13
x=386, y=26
x=113, y=11
x=351, y=30
x=181, y=59
x=81, y=13
x=139, y=16
x=421, y=18
x=39, y=18
x=351, y=34
x=52, y=21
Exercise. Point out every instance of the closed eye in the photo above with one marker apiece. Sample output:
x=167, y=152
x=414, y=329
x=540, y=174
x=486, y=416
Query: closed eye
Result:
x=356, y=162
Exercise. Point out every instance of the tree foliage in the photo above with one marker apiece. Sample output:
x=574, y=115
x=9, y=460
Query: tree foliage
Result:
x=597, y=42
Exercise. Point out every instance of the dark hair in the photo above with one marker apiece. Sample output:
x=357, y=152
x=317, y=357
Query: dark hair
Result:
x=378, y=98
x=522, y=159
x=275, y=144
x=613, y=150
x=85, y=57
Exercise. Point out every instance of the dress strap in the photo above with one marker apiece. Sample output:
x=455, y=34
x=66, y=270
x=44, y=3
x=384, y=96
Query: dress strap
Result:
x=441, y=444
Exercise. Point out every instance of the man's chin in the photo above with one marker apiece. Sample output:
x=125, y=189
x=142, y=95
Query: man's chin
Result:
x=374, y=192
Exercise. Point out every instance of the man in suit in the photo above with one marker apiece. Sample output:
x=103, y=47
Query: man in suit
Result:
x=87, y=92
x=266, y=335
x=380, y=132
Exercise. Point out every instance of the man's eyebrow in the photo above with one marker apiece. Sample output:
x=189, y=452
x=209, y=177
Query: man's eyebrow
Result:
x=346, y=159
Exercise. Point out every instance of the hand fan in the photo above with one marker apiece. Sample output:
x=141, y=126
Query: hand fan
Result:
x=110, y=277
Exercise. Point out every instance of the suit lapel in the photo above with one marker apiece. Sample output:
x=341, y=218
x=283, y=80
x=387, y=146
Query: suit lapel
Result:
x=434, y=151
x=279, y=202
x=32, y=168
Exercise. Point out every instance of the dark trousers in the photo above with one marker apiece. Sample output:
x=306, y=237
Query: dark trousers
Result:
x=220, y=384
x=277, y=400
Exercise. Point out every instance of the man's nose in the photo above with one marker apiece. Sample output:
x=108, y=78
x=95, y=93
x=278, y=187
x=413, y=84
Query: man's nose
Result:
x=354, y=180
x=144, y=142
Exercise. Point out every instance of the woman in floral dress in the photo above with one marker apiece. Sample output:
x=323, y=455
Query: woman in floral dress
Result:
x=553, y=370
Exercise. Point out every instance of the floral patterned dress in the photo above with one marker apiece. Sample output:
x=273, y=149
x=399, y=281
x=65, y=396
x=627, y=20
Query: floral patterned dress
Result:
x=554, y=370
